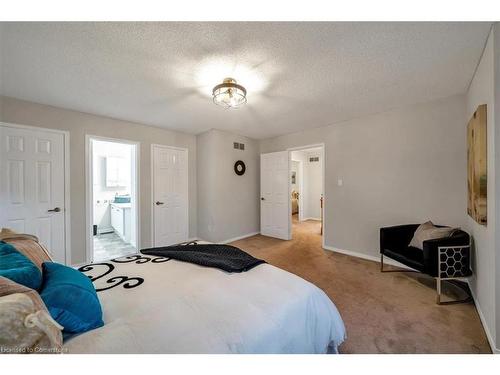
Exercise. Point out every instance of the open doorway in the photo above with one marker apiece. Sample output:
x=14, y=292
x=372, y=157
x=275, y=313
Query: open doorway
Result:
x=306, y=191
x=112, y=204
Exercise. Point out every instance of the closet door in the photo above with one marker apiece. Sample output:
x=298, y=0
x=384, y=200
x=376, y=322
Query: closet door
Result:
x=170, y=195
x=32, y=185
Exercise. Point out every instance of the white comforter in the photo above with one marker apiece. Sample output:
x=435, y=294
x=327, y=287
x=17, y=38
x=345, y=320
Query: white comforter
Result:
x=184, y=308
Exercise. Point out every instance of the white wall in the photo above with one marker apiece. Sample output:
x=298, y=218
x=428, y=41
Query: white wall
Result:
x=228, y=204
x=79, y=124
x=482, y=91
x=314, y=180
x=402, y=166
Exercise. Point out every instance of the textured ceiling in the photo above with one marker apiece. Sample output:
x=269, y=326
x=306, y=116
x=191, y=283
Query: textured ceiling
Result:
x=298, y=75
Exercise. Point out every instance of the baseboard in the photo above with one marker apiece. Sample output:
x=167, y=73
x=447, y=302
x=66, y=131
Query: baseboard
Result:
x=239, y=237
x=105, y=230
x=229, y=239
x=311, y=218
x=366, y=256
x=489, y=336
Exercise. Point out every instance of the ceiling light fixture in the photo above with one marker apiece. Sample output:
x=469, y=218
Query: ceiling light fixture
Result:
x=229, y=94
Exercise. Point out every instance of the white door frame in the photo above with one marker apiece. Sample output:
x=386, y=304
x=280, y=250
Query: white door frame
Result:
x=153, y=145
x=89, y=191
x=301, y=186
x=301, y=148
x=67, y=210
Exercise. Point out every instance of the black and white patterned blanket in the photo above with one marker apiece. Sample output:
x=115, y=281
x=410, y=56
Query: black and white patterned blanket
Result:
x=225, y=257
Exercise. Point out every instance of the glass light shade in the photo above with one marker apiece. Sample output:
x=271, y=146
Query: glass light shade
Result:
x=229, y=94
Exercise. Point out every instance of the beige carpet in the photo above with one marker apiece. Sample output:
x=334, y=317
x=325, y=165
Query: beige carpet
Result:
x=383, y=312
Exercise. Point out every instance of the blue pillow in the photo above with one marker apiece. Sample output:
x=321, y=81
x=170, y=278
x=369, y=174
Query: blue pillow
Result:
x=18, y=268
x=70, y=298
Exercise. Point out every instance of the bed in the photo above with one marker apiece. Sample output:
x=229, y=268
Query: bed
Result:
x=159, y=305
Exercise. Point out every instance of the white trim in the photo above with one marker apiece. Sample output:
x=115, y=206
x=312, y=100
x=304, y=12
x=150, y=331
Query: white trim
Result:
x=170, y=147
x=228, y=240
x=239, y=237
x=301, y=191
x=89, y=242
x=366, y=256
x=67, y=179
x=89, y=246
x=153, y=145
x=301, y=186
x=300, y=148
x=289, y=185
x=67, y=200
x=312, y=218
x=323, y=190
x=489, y=336
x=152, y=205
x=30, y=127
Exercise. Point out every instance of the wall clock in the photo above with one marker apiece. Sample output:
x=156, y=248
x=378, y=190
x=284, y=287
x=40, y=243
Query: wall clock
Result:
x=239, y=168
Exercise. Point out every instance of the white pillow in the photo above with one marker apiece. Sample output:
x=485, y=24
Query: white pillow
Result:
x=428, y=231
x=26, y=329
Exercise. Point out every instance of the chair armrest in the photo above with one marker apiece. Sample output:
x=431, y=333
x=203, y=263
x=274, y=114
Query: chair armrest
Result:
x=396, y=237
x=431, y=250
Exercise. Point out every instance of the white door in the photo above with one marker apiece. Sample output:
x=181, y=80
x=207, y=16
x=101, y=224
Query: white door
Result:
x=274, y=198
x=32, y=185
x=170, y=195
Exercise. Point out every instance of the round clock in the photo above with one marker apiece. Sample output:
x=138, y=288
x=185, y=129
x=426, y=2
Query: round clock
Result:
x=239, y=168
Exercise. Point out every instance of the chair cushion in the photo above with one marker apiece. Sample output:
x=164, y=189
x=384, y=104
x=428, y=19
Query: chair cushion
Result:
x=70, y=298
x=17, y=267
x=410, y=256
x=428, y=231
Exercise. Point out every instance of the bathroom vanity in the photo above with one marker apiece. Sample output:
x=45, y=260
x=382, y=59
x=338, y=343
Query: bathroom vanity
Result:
x=121, y=220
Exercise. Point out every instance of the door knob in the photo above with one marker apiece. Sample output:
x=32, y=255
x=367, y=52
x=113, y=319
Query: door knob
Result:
x=262, y=199
x=57, y=209
x=158, y=203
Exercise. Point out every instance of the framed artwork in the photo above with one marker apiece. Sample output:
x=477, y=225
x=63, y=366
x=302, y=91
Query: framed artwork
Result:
x=477, y=173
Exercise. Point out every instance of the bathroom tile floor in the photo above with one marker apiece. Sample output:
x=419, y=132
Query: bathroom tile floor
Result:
x=109, y=246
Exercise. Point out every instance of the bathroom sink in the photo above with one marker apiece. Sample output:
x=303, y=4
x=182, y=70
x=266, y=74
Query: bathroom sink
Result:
x=122, y=199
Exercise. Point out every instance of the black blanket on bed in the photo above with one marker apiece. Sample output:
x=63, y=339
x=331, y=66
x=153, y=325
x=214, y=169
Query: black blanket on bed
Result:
x=225, y=257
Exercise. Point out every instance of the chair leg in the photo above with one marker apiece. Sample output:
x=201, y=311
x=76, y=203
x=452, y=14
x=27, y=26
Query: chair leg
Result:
x=381, y=262
x=458, y=284
x=438, y=290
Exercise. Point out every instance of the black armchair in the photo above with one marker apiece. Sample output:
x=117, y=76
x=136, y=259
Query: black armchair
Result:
x=443, y=258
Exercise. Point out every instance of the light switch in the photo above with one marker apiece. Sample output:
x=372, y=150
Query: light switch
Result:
x=340, y=182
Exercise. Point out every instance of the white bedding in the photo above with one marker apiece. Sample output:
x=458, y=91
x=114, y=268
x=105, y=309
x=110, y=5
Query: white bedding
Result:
x=184, y=308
